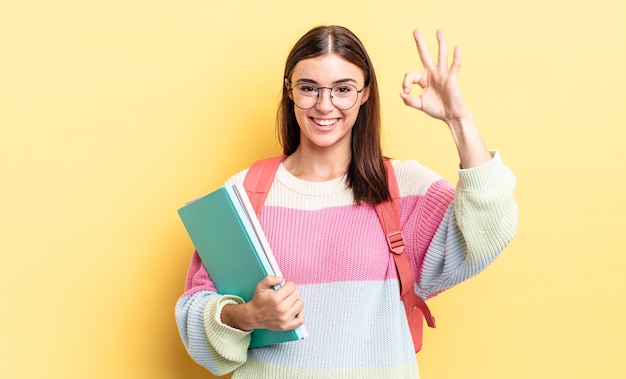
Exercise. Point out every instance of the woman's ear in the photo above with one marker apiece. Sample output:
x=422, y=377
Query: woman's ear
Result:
x=366, y=95
x=287, y=88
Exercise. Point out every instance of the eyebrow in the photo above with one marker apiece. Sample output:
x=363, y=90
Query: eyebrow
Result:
x=307, y=80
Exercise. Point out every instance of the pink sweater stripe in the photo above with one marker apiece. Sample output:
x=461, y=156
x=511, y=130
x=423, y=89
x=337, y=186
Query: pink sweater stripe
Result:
x=328, y=248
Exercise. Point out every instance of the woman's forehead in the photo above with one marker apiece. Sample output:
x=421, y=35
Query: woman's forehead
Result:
x=328, y=68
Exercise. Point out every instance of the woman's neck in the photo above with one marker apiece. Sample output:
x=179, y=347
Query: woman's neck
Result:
x=317, y=166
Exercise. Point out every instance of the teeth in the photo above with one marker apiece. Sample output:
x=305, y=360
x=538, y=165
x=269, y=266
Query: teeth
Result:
x=325, y=122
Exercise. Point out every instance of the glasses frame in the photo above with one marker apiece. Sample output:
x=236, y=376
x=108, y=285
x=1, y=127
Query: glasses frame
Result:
x=358, y=91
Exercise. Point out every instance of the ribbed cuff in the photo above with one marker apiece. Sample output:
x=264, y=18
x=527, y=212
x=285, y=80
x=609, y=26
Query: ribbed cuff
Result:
x=230, y=342
x=488, y=175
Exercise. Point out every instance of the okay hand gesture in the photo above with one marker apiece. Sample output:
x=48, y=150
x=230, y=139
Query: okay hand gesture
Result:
x=440, y=96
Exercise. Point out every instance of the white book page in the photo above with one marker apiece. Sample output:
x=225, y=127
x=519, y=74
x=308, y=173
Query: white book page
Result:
x=247, y=206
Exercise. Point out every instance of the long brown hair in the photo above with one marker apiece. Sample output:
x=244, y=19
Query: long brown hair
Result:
x=366, y=172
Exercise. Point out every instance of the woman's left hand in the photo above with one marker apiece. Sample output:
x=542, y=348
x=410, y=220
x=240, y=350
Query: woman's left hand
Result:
x=440, y=96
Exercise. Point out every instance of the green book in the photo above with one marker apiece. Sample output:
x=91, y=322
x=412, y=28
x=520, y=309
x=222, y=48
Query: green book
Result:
x=234, y=250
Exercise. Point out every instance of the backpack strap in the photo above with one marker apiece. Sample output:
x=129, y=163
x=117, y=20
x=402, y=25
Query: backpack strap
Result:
x=257, y=183
x=389, y=216
x=259, y=179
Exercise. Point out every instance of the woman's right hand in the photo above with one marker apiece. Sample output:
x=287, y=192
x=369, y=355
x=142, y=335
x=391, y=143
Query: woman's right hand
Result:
x=271, y=309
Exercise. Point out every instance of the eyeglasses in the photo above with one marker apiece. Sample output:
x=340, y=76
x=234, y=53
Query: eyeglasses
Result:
x=343, y=96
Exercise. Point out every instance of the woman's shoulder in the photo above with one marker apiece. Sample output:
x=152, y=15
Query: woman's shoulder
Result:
x=237, y=178
x=265, y=165
x=414, y=178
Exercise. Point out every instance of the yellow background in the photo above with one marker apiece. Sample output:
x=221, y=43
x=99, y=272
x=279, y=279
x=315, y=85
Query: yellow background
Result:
x=114, y=113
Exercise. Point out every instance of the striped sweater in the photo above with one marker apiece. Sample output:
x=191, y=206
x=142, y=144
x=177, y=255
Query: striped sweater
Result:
x=336, y=252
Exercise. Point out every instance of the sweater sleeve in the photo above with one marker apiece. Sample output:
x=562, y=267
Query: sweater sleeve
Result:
x=212, y=344
x=459, y=233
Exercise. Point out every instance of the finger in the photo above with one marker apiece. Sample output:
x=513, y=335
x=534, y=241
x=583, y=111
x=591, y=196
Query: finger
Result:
x=456, y=61
x=411, y=101
x=442, y=60
x=425, y=57
x=299, y=319
x=271, y=281
x=297, y=306
x=410, y=78
x=288, y=293
x=294, y=304
x=295, y=321
x=287, y=288
x=291, y=318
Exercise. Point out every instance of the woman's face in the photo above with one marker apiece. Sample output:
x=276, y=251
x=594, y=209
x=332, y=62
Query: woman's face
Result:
x=324, y=126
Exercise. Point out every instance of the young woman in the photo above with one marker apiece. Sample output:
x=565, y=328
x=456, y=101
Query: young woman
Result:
x=321, y=224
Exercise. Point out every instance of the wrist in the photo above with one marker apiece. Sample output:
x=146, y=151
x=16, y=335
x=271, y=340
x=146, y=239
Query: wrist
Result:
x=470, y=146
x=236, y=316
x=457, y=125
x=234, y=312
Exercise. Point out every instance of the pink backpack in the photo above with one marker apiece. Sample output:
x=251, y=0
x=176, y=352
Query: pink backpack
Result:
x=257, y=184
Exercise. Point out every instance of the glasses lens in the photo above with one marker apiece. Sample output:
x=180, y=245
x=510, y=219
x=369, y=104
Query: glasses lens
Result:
x=305, y=95
x=343, y=96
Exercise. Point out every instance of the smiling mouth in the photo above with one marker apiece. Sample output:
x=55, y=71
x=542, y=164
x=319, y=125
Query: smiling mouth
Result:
x=325, y=122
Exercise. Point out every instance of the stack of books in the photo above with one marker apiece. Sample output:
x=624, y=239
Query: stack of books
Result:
x=234, y=250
